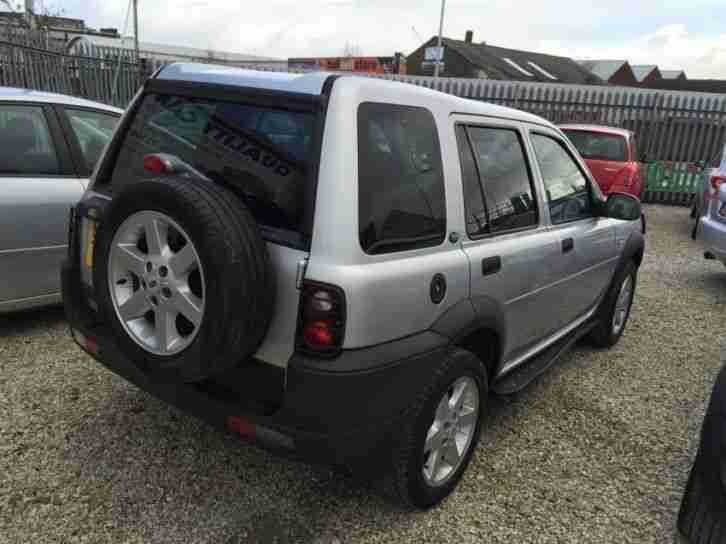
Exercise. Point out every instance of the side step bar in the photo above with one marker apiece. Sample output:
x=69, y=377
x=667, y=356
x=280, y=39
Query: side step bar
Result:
x=522, y=376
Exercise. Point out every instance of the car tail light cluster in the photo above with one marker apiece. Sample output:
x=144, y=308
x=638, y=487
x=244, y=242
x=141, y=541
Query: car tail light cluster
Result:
x=716, y=182
x=322, y=319
x=158, y=165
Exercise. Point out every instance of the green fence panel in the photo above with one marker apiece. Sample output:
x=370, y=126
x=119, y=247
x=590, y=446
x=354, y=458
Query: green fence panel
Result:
x=670, y=182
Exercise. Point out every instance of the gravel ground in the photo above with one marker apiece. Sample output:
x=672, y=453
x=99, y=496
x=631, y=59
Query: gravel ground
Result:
x=597, y=450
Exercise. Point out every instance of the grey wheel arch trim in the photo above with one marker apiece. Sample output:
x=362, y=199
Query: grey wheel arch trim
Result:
x=633, y=250
x=469, y=316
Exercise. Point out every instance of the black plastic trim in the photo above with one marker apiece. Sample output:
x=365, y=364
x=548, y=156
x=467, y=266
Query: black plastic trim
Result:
x=108, y=161
x=372, y=358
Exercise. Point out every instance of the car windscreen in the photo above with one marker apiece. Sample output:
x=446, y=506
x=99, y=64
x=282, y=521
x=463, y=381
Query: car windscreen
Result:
x=262, y=153
x=598, y=145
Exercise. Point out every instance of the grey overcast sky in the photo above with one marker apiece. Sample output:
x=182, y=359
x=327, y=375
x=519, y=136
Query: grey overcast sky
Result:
x=687, y=34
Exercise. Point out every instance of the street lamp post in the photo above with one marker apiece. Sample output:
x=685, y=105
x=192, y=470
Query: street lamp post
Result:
x=440, y=51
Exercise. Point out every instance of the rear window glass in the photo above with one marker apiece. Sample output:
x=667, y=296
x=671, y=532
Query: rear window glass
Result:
x=401, y=203
x=599, y=146
x=262, y=153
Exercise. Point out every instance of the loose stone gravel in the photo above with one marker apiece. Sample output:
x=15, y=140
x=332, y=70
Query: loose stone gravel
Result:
x=596, y=450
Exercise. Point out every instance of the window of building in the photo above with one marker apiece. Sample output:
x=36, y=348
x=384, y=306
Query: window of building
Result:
x=517, y=67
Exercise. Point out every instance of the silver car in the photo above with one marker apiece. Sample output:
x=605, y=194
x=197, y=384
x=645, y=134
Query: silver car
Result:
x=343, y=266
x=49, y=144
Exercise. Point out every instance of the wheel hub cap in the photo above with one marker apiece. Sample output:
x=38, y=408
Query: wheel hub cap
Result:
x=156, y=283
x=449, y=436
x=622, y=305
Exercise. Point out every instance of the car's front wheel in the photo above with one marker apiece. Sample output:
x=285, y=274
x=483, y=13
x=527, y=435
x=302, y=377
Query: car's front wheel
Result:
x=615, y=308
x=440, y=432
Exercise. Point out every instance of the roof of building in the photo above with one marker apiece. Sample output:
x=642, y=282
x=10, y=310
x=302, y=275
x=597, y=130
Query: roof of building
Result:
x=596, y=128
x=28, y=95
x=642, y=71
x=312, y=83
x=515, y=64
x=672, y=74
x=690, y=85
x=604, y=69
x=150, y=48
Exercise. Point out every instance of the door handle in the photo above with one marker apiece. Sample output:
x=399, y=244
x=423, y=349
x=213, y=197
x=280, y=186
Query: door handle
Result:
x=568, y=244
x=491, y=265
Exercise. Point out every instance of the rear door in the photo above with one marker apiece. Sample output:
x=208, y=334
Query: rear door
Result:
x=511, y=251
x=37, y=187
x=586, y=242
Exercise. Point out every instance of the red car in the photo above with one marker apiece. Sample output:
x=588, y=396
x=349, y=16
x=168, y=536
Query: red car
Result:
x=611, y=155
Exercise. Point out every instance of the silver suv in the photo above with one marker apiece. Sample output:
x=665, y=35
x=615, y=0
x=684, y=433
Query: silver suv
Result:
x=343, y=266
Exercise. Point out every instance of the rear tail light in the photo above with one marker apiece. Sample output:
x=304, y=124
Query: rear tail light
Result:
x=241, y=426
x=158, y=165
x=88, y=343
x=322, y=319
x=716, y=182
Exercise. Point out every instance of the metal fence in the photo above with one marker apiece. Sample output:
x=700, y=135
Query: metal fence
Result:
x=674, y=129
x=112, y=79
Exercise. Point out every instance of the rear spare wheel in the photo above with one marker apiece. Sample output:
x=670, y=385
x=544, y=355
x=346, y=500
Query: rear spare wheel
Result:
x=183, y=278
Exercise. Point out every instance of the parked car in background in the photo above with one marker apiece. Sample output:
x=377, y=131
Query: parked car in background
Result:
x=713, y=226
x=611, y=154
x=455, y=248
x=707, y=196
x=49, y=144
x=702, y=518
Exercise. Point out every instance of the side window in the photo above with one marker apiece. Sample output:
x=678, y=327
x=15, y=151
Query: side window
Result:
x=401, y=202
x=566, y=187
x=26, y=146
x=93, y=130
x=476, y=215
x=504, y=183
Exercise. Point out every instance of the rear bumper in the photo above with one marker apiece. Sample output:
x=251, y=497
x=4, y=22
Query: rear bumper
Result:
x=342, y=412
x=713, y=234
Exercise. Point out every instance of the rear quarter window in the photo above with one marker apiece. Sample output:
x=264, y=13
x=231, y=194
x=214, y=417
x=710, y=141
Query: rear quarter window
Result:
x=599, y=145
x=401, y=201
x=261, y=153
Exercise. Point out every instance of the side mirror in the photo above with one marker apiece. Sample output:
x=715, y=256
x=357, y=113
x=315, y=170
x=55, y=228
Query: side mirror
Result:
x=623, y=206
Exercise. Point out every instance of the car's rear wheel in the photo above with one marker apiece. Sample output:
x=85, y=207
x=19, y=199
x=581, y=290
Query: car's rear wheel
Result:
x=439, y=433
x=183, y=278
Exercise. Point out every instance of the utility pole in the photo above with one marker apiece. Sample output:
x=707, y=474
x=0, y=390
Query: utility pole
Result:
x=440, y=51
x=136, y=31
